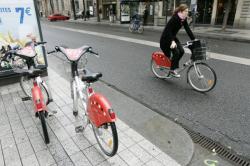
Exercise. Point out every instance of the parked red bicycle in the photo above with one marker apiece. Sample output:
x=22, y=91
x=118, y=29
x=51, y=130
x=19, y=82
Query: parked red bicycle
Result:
x=36, y=93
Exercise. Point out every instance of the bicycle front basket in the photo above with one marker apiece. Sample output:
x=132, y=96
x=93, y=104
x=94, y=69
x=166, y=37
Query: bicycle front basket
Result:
x=198, y=50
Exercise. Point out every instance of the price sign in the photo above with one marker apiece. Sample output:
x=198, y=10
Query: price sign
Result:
x=23, y=12
x=19, y=21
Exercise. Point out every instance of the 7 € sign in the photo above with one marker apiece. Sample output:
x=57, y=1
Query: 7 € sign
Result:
x=23, y=12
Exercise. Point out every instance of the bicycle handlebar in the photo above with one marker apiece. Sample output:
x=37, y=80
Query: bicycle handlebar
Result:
x=92, y=52
x=188, y=43
x=39, y=43
x=57, y=49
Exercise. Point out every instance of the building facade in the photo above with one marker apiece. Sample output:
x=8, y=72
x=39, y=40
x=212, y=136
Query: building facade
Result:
x=155, y=12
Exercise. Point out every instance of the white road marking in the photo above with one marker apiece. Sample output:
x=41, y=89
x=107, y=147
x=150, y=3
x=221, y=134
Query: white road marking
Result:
x=223, y=57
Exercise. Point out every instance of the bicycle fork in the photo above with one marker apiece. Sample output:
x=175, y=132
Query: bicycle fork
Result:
x=77, y=86
x=40, y=81
x=197, y=71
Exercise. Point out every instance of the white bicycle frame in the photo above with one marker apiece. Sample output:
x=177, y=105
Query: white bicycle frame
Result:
x=78, y=87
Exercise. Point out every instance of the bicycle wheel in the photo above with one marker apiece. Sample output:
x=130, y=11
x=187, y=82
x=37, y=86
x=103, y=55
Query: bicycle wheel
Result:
x=202, y=77
x=130, y=28
x=45, y=93
x=160, y=72
x=107, y=138
x=140, y=29
x=26, y=84
x=44, y=126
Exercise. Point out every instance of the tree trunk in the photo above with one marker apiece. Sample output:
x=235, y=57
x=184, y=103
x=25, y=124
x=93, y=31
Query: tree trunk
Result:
x=51, y=6
x=97, y=10
x=166, y=11
x=73, y=9
x=84, y=9
x=228, y=8
x=46, y=8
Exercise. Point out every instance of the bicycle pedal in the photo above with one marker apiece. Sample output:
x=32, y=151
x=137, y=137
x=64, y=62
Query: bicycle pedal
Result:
x=26, y=98
x=52, y=113
x=75, y=113
x=49, y=101
x=79, y=129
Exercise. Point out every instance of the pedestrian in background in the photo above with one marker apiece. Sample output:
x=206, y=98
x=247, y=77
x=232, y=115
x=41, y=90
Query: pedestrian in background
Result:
x=88, y=14
x=145, y=16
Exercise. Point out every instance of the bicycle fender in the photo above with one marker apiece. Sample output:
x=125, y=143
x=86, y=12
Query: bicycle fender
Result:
x=37, y=98
x=160, y=59
x=99, y=110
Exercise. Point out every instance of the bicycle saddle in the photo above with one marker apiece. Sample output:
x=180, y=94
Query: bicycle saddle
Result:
x=26, y=52
x=74, y=54
x=90, y=77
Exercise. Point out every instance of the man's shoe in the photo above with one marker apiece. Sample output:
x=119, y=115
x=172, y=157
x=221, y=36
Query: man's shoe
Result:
x=174, y=73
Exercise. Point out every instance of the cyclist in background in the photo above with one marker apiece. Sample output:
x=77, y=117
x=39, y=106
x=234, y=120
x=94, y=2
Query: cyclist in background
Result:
x=169, y=43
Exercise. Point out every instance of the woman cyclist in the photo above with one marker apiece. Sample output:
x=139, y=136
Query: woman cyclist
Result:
x=170, y=43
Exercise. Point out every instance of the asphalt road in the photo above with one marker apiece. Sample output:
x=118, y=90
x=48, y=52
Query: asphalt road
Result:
x=222, y=114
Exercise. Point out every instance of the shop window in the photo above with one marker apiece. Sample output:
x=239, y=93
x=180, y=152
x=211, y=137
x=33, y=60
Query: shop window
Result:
x=221, y=10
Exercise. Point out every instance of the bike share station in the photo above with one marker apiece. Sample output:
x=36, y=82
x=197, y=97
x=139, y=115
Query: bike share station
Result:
x=19, y=20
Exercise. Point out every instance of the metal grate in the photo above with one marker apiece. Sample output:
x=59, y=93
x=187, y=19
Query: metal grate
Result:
x=222, y=151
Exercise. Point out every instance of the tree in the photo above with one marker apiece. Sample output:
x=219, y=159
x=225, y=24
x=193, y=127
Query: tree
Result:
x=73, y=8
x=166, y=11
x=97, y=10
x=84, y=9
x=46, y=8
x=228, y=8
x=51, y=5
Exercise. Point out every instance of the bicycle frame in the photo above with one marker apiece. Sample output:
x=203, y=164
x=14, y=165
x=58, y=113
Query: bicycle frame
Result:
x=164, y=62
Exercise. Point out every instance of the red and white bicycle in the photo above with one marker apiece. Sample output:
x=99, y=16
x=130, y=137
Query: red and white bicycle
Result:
x=39, y=93
x=200, y=75
x=97, y=110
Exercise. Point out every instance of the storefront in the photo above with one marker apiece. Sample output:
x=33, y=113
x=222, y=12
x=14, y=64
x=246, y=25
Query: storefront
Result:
x=145, y=9
x=221, y=9
x=109, y=9
x=204, y=11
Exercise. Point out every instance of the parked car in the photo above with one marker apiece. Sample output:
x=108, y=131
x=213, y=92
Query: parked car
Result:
x=80, y=14
x=55, y=17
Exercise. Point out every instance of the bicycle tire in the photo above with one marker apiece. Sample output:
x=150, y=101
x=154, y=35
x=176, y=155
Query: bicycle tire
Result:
x=158, y=71
x=130, y=28
x=140, y=29
x=210, y=81
x=26, y=85
x=27, y=89
x=44, y=126
x=114, y=140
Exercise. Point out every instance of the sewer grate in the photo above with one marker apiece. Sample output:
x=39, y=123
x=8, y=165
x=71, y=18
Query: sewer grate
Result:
x=222, y=151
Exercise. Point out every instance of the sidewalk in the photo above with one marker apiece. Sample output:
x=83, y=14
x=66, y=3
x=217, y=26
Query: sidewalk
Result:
x=241, y=35
x=21, y=141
